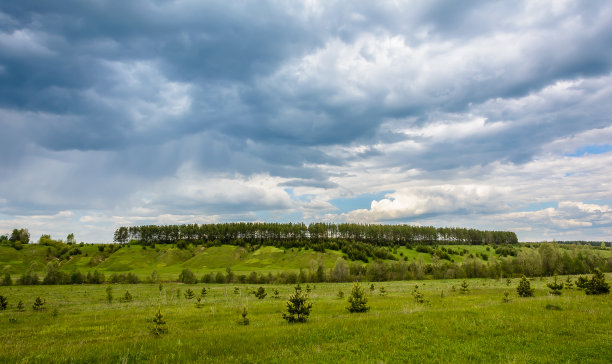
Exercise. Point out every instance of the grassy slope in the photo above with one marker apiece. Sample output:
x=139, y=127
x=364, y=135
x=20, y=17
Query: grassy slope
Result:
x=169, y=261
x=477, y=327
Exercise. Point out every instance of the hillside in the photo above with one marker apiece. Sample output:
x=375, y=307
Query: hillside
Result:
x=168, y=261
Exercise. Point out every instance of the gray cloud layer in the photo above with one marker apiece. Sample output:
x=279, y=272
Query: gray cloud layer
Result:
x=129, y=111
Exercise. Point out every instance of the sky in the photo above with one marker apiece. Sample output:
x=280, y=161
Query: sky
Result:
x=492, y=115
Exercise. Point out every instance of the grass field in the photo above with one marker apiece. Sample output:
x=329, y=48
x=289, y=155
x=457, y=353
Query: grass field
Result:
x=79, y=326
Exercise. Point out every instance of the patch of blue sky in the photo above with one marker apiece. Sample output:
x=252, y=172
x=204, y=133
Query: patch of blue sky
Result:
x=363, y=201
x=591, y=149
x=539, y=206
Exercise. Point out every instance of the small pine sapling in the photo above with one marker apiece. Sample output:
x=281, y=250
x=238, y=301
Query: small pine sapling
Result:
x=236, y=290
x=199, y=303
x=582, y=282
x=298, y=307
x=308, y=289
x=382, y=291
x=555, y=287
x=597, y=284
x=109, y=294
x=127, y=297
x=178, y=293
x=276, y=294
x=3, y=302
x=261, y=293
x=55, y=312
x=20, y=306
x=244, y=320
x=524, y=288
x=159, y=325
x=568, y=283
x=508, y=282
x=340, y=294
x=39, y=304
x=204, y=292
x=418, y=296
x=189, y=294
x=506, y=297
x=358, y=302
x=372, y=287
x=464, y=287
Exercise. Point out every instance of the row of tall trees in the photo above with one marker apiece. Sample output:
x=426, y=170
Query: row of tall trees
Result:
x=290, y=235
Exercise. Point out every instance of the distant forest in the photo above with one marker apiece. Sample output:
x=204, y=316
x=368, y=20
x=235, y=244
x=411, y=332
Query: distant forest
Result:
x=291, y=235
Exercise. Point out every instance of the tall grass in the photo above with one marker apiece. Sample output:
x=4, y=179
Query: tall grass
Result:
x=449, y=327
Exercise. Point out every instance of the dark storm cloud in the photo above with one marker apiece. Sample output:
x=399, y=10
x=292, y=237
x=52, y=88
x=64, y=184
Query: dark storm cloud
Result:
x=100, y=101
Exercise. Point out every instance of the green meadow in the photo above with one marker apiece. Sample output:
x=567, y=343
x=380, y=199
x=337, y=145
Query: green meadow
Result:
x=79, y=325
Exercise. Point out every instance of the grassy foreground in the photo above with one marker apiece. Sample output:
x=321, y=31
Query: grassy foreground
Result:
x=79, y=326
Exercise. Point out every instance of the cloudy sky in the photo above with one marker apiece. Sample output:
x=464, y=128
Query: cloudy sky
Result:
x=484, y=114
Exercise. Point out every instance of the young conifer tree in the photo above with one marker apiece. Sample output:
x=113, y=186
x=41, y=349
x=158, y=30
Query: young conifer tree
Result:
x=597, y=284
x=298, y=307
x=159, y=324
x=524, y=288
x=358, y=302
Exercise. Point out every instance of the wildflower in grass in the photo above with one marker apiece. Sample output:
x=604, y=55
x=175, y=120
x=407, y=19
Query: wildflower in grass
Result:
x=358, y=302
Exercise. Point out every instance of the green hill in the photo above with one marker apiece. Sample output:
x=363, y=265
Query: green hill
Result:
x=168, y=261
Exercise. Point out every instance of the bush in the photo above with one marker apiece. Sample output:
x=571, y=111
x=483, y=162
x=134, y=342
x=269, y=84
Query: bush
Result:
x=524, y=288
x=597, y=284
x=582, y=282
x=28, y=278
x=298, y=307
x=3, y=302
x=358, y=302
x=261, y=293
x=418, y=296
x=187, y=276
x=6, y=280
x=555, y=287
